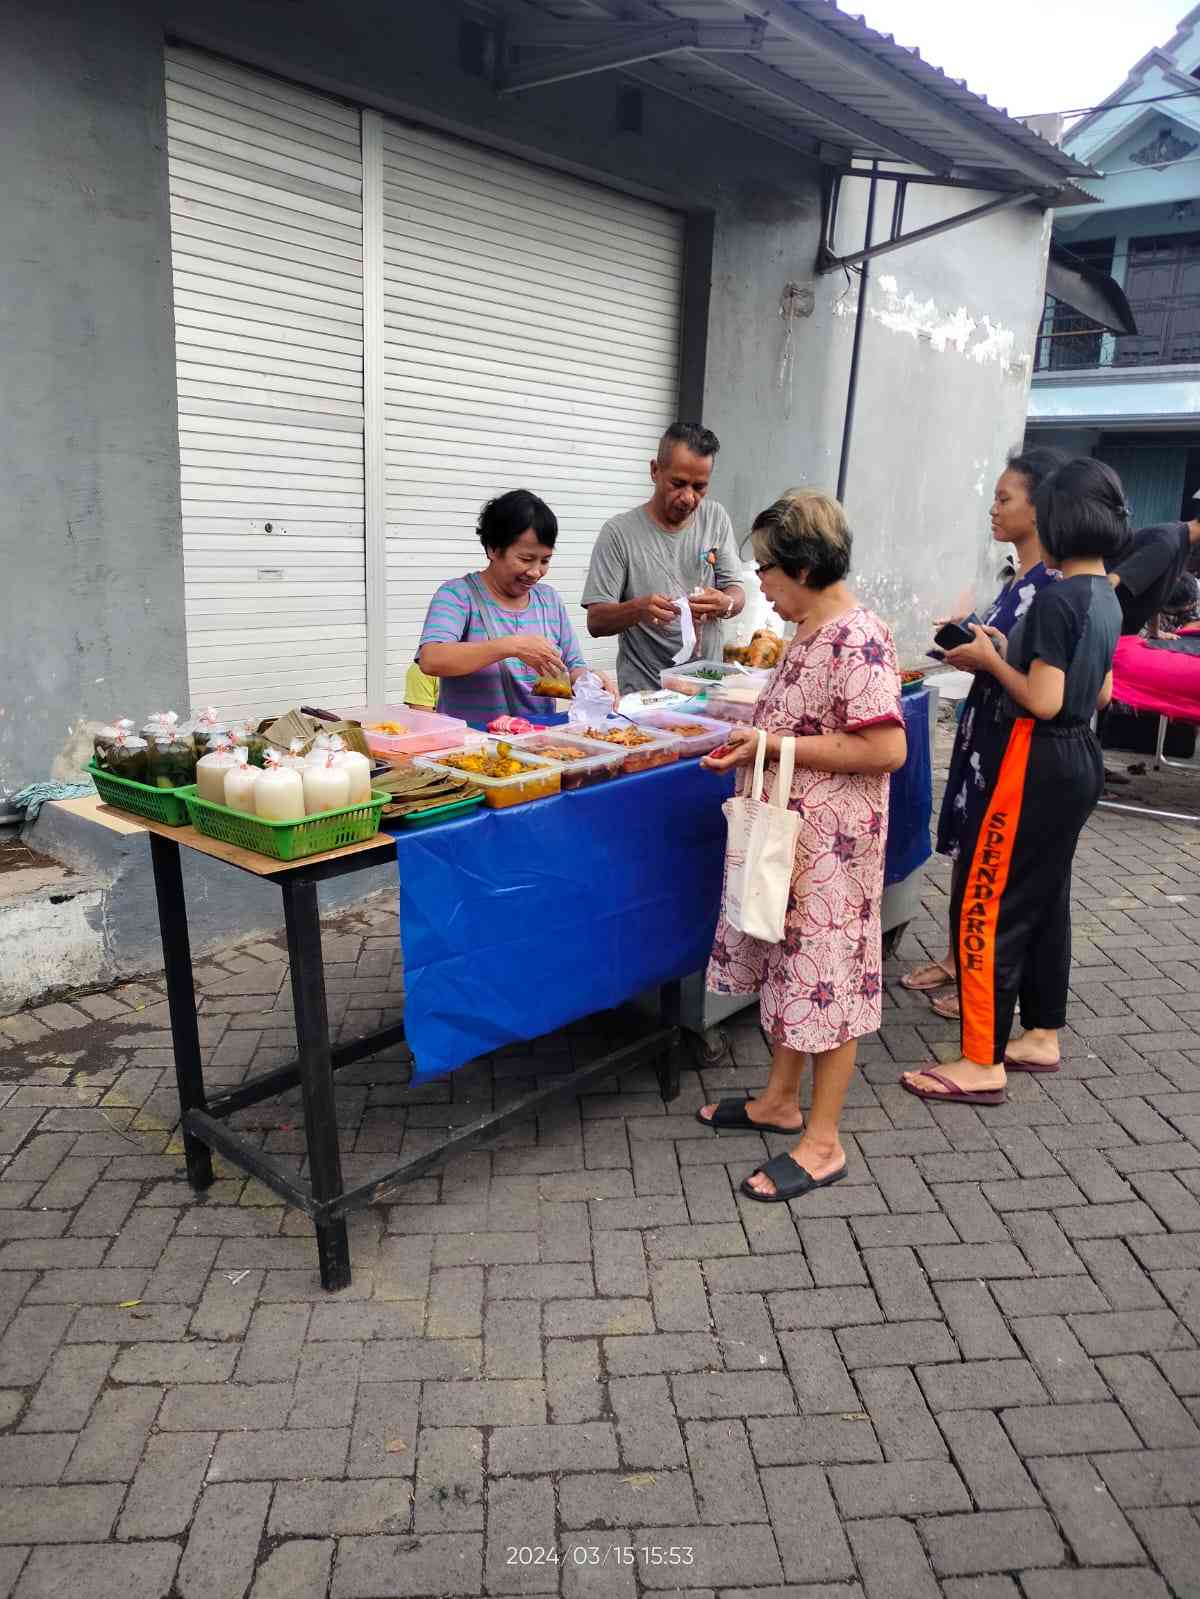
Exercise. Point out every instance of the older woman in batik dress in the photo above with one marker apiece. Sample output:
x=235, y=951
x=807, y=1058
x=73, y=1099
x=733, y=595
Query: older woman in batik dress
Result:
x=837, y=693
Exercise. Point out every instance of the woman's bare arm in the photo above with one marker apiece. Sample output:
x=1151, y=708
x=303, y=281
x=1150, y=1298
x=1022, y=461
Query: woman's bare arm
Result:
x=882, y=748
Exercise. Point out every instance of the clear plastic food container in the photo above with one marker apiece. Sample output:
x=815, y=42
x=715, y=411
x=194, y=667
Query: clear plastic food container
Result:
x=703, y=677
x=540, y=779
x=583, y=764
x=727, y=710
x=641, y=748
x=422, y=730
x=696, y=734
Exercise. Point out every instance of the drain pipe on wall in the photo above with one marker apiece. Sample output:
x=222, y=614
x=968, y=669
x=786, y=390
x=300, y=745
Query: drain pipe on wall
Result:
x=864, y=277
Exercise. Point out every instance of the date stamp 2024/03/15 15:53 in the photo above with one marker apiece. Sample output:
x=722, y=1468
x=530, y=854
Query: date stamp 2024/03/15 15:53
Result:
x=614, y=1554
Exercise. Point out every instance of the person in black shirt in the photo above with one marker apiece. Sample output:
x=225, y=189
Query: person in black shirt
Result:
x=1010, y=902
x=1145, y=577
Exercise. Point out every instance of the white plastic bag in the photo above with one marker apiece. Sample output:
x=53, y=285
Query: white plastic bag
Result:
x=591, y=704
x=761, y=850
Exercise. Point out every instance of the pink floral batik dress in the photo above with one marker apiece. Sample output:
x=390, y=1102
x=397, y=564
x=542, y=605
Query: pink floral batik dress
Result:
x=823, y=984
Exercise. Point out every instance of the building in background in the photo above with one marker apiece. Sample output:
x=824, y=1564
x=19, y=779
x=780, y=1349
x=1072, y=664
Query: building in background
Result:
x=1133, y=399
x=294, y=286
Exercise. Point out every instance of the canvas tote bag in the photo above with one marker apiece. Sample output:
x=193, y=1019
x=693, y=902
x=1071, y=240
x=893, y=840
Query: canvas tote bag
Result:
x=761, y=850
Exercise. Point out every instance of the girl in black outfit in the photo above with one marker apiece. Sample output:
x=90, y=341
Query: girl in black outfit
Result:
x=1014, y=522
x=1010, y=905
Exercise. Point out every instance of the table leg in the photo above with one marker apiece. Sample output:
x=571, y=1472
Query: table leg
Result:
x=302, y=915
x=670, y=1004
x=181, y=999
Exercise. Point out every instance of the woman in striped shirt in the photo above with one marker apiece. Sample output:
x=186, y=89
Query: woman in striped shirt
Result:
x=490, y=635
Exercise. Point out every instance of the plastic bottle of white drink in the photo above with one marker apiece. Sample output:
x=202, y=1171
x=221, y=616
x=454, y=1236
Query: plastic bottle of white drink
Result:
x=279, y=792
x=326, y=787
x=240, y=782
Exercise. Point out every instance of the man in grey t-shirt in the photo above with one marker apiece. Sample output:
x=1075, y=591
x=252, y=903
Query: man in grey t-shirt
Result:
x=646, y=560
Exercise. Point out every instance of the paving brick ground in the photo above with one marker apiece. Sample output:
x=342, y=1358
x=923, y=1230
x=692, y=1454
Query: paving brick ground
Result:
x=577, y=1361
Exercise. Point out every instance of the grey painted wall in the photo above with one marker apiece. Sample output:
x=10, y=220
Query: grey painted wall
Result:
x=89, y=435
x=946, y=362
x=89, y=507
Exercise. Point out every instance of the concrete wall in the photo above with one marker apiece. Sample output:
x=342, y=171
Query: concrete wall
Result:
x=946, y=359
x=93, y=524
x=92, y=607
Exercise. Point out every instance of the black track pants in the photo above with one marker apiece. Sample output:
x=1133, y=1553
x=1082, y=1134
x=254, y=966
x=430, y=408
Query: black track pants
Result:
x=1010, y=906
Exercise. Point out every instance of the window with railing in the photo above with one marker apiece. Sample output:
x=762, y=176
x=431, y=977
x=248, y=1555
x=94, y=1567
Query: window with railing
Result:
x=1162, y=284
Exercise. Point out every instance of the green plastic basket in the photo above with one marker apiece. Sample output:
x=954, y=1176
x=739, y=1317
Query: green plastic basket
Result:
x=166, y=805
x=286, y=841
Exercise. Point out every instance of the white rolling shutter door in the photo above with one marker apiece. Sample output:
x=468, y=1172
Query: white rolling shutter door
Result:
x=266, y=219
x=532, y=340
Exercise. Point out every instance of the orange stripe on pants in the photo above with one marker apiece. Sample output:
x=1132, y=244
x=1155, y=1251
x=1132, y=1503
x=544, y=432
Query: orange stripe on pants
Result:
x=980, y=912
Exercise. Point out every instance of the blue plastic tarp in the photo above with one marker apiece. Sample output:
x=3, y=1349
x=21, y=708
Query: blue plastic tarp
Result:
x=516, y=922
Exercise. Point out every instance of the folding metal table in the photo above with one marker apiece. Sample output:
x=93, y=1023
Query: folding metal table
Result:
x=205, y=1118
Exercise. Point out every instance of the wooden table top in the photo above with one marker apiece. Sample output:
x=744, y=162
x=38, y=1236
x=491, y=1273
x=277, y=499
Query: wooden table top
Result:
x=117, y=821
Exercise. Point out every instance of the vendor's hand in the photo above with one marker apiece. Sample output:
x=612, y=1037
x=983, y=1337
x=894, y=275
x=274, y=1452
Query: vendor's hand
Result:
x=739, y=749
x=978, y=656
x=656, y=610
x=539, y=653
x=708, y=605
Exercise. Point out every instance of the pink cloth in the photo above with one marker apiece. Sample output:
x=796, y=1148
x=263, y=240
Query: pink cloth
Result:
x=823, y=984
x=1157, y=680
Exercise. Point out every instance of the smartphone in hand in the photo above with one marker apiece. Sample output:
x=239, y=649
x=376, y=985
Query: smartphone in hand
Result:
x=951, y=634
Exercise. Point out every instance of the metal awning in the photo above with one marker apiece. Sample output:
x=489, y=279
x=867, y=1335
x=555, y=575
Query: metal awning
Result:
x=800, y=72
x=1083, y=288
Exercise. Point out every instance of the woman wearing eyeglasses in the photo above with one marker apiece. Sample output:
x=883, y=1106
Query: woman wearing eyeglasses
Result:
x=837, y=693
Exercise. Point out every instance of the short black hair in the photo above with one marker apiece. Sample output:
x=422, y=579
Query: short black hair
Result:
x=504, y=519
x=806, y=535
x=1082, y=513
x=1035, y=465
x=697, y=438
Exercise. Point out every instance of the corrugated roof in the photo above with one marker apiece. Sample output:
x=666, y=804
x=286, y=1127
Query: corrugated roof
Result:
x=818, y=64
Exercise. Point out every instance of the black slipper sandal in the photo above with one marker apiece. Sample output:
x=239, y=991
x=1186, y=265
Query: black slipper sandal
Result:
x=790, y=1179
x=730, y=1117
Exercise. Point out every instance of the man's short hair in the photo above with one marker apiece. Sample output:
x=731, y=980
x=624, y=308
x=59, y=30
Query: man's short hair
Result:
x=694, y=435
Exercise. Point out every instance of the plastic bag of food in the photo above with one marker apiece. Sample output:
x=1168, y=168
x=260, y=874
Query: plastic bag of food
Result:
x=356, y=766
x=211, y=771
x=511, y=726
x=106, y=737
x=552, y=688
x=240, y=782
x=247, y=737
x=279, y=792
x=159, y=722
x=206, y=730
x=172, y=760
x=129, y=757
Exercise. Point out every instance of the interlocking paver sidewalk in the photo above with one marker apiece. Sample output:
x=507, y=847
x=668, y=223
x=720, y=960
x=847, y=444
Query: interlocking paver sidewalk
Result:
x=576, y=1361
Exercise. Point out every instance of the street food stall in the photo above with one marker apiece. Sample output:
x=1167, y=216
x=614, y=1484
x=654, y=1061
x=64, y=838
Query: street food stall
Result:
x=544, y=876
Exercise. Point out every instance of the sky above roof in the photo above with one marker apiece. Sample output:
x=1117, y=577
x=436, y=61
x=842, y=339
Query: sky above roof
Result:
x=1029, y=56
